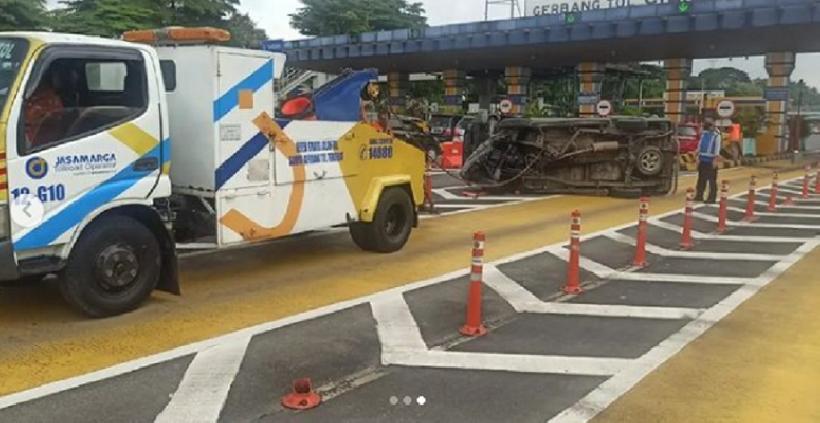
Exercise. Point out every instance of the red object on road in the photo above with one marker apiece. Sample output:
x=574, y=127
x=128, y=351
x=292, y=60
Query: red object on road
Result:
x=452, y=154
x=474, y=325
x=302, y=397
x=806, y=180
x=773, y=194
x=750, y=205
x=573, y=286
x=724, y=207
x=789, y=201
x=686, y=242
x=640, y=245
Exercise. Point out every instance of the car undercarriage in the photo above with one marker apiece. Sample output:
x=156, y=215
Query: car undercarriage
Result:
x=620, y=156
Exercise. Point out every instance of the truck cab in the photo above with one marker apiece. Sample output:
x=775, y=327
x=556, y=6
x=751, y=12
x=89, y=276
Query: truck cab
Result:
x=88, y=189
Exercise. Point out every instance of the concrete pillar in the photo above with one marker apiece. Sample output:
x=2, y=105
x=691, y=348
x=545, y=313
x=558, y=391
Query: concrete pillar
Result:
x=518, y=87
x=779, y=67
x=677, y=78
x=398, y=86
x=591, y=78
x=454, y=91
x=486, y=91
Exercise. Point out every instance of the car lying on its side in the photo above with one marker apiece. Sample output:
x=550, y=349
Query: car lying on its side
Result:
x=621, y=156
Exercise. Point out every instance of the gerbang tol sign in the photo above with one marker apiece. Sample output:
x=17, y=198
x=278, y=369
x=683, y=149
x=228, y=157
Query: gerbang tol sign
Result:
x=550, y=7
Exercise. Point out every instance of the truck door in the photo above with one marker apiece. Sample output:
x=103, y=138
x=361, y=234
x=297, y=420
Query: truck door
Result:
x=88, y=137
x=244, y=179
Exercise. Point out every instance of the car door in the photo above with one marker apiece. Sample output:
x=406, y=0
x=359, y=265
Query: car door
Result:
x=88, y=137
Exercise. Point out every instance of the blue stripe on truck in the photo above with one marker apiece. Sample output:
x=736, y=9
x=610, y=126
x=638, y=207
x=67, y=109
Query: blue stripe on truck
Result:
x=54, y=227
x=223, y=105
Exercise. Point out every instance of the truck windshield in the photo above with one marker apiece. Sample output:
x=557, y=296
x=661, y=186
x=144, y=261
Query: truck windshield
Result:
x=12, y=54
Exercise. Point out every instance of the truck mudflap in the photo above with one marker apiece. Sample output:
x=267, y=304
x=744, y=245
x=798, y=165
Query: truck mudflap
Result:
x=8, y=266
x=169, y=277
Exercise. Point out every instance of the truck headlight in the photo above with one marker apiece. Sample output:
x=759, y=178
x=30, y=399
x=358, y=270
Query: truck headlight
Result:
x=4, y=221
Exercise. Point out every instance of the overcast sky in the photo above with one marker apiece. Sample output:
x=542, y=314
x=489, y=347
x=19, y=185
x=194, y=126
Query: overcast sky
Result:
x=272, y=15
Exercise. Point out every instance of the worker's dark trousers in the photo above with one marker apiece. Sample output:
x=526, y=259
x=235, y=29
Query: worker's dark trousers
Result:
x=707, y=174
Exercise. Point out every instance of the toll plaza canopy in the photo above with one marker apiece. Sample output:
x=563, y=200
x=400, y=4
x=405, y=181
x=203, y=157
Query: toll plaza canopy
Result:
x=697, y=29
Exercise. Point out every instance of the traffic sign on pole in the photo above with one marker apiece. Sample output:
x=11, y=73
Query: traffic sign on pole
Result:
x=726, y=109
x=604, y=108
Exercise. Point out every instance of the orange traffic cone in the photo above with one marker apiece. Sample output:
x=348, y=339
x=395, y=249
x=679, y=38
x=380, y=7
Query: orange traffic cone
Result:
x=474, y=325
x=686, y=242
x=724, y=207
x=573, y=286
x=640, y=245
x=752, y=198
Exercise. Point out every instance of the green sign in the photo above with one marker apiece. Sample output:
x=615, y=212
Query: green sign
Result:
x=570, y=18
x=684, y=6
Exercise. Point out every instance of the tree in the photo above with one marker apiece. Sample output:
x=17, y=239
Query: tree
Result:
x=105, y=18
x=110, y=18
x=331, y=17
x=244, y=32
x=197, y=12
x=17, y=15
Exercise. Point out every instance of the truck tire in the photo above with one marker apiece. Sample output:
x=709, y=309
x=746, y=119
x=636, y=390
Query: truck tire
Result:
x=113, y=267
x=391, y=224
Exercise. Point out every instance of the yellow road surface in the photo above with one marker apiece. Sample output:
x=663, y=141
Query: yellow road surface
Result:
x=760, y=364
x=42, y=340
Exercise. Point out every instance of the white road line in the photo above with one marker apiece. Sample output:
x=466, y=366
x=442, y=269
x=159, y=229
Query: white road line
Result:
x=447, y=195
x=767, y=214
x=523, y=301
x=710, y=218
x=403, y=345
x=708, y=255
x=193, y=348
x=606, y=393
x=796, y=191
x=604, y=272
x=796, y=206
x=517, y=363
x=398, y=331
x=734, y=238
x=204, y=388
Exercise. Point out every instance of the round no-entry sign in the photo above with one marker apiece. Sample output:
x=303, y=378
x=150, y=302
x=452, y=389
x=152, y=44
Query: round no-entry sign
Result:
x=604, y=108
x=506, y=106
x=726, y=109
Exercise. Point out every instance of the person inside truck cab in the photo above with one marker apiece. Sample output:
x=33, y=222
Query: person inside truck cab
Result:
x=45, y=101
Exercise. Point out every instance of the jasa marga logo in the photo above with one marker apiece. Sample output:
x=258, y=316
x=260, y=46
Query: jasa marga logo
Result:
x=86, y=162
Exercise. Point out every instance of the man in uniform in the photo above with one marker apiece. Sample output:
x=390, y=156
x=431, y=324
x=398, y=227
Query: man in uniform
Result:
x=708, y=161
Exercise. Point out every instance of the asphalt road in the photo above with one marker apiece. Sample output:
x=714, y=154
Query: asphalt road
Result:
x=395, y=355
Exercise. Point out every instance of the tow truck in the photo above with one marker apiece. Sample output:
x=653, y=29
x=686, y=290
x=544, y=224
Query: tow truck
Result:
x=89, y=191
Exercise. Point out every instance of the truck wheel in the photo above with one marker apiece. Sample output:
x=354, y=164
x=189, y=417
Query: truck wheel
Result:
x=391, y=225
x=113, y=267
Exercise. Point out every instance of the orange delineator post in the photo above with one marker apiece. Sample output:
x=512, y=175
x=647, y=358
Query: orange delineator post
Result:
x=817, y=183
x=686, y=242
x=806, y=180
x=750, y=204
x=474, y=325
x=429, y=201
x=573, y=286
x=724, y=207
x=773, y=194
x=643, y=227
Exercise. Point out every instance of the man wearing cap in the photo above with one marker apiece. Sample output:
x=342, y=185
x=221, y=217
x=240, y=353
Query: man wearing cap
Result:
x=708, y=161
